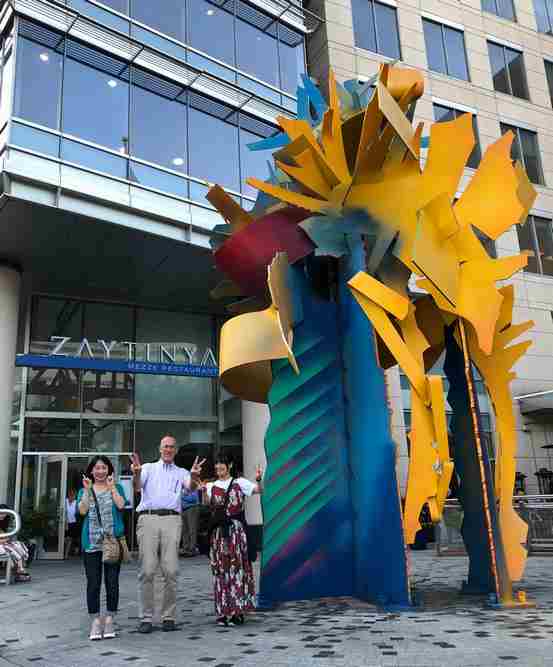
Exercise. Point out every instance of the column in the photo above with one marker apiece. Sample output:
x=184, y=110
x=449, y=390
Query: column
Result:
x=255, y=419
x=10, y=281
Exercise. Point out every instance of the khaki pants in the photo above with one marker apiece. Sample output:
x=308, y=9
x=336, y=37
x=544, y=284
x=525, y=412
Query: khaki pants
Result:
x=158, y=544
x=190, y=528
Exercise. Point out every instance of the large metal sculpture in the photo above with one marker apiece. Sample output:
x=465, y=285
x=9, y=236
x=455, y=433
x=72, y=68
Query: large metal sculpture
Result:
x=353, y=259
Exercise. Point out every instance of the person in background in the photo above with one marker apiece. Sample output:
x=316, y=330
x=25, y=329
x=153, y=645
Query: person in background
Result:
x=232, y=571
x=190, y=517
x=15, y=550
x=101, y=497
x=72, y=532
x=159, y=528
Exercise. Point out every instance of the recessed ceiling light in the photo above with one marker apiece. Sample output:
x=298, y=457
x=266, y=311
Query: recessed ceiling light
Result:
x=210, y=12
x=44, y=57
x=178, y=161
x=112, y=83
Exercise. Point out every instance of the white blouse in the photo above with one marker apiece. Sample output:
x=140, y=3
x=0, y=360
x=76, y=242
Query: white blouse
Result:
x=245, y=485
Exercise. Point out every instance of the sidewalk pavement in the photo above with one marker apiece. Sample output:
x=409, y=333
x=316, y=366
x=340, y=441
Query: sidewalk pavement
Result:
x=44, y=624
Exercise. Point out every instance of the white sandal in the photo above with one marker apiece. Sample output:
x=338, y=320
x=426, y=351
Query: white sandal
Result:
x=95, y=629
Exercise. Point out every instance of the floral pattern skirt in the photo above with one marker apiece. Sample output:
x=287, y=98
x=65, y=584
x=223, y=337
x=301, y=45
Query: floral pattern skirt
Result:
x=233, y=580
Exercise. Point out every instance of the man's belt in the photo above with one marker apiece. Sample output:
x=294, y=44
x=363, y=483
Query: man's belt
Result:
x=160, y=512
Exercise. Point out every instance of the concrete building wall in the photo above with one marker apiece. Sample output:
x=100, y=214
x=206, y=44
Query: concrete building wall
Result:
x=334, y=46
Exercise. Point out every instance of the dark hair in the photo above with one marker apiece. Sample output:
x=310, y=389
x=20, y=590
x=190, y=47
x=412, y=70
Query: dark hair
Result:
x=95, y=460
x=225, y=460
x=5, y=522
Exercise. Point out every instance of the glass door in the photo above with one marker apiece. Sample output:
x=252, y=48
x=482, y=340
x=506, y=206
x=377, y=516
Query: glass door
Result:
x=50, y=505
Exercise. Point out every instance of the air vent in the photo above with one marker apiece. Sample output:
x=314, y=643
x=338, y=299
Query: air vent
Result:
x=289, y=37
x=155, y=84
x=256, y=126
x=98, y=59
x=40, y=34
x=253, y=16
x=210, y=106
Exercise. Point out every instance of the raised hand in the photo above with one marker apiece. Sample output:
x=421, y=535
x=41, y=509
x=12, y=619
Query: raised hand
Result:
x=110, y=482
x=136, y=465
x=86, y=483
x=196, y=468
x=258, y=473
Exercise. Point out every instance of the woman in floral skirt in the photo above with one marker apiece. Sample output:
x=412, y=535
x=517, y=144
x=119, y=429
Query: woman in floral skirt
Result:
x=232, y=571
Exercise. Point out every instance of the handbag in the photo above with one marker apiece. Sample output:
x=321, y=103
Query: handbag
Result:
x=114, y=549
x=219, y=517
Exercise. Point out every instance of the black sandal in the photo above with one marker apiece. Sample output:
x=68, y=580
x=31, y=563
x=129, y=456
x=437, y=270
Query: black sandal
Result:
x=22, y=576
x=237, y=619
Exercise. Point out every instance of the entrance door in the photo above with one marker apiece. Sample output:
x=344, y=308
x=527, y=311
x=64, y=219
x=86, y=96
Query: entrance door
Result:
x=50, y=501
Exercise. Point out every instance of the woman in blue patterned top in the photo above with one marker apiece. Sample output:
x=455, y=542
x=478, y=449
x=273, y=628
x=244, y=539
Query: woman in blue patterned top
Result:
x=111, y=500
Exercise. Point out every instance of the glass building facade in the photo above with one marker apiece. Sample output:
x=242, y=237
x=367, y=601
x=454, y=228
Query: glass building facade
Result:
x=163, y=99
x=92, y=109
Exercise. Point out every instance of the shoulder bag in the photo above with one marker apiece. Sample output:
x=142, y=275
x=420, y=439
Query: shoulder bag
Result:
x=219, y=518
x=114, y=549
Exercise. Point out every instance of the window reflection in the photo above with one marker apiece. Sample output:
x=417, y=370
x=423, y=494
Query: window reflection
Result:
x=375, y=27
x=292, y=63
x=38, y=84
x=210, y=137
x=254, y=163
x=96, y=109
x=95, y=104
x=170, y=21
x=119, y=5
x=53, y=390
x=111, y=393
x=54, y=317
x=51, y=435
x=211, y=29
x=106, y=436
x=167, y=145
x=445, y=49
x=257, y=52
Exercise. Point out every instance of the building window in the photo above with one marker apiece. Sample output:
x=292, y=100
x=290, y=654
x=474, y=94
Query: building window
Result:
x=544, y=15
x=156, y=103
x=257, y=52
x=535, y=239
x=171, y=21
x=525, y=149
x=211, y=29
x=443, y=114
x=509, y=75
x=549, y=74
x=38, y=83
x=96, y=99
x=115, y=106
x=445, y=49
x=503, y=8
x=375, y=27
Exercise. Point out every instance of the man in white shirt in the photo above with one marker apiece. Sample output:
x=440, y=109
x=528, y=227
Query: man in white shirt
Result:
x=159, y=527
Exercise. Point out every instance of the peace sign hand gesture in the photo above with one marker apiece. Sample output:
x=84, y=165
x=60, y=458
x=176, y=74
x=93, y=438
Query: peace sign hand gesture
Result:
x=258, y=473
x=196, y=468
x=136, y=466
x=86, y=483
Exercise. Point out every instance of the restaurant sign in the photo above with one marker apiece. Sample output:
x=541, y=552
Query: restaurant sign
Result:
x=114, y=356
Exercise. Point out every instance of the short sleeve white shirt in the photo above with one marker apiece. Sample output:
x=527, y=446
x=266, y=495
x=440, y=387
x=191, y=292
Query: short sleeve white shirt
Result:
x=245, y=485
x=162, y=486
